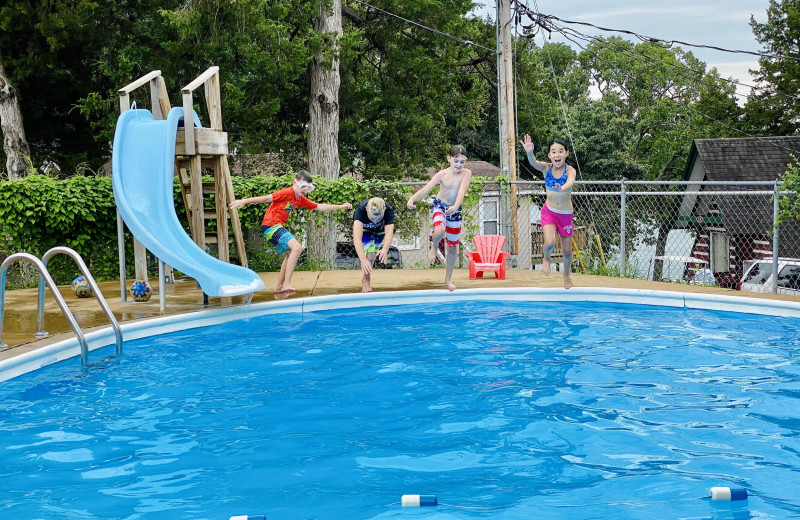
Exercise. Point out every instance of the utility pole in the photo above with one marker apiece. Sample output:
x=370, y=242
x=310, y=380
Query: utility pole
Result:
x=508, y=134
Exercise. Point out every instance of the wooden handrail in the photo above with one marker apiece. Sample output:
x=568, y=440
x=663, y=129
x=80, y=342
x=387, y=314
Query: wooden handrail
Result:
x=127, y=89
x=188, y=104
x=202, y=78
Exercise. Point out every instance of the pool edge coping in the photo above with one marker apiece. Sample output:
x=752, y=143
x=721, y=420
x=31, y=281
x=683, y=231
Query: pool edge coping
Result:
x=101, y=338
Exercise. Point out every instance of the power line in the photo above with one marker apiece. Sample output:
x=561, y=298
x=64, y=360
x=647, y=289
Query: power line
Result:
x=462, y=41
x=633, y=53
x=644, y=58
x=545, y=22
x=712, y=119
x=552, y=27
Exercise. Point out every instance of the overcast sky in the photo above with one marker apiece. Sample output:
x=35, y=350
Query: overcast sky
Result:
x=722, y=23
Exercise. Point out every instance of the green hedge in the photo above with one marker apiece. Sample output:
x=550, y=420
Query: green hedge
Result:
x=39, y=212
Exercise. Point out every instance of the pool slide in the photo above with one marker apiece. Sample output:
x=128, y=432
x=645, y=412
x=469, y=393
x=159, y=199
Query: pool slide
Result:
x=143, y=164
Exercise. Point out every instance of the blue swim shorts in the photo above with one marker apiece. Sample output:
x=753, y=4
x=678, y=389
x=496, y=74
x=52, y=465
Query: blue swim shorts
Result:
x=279, y=236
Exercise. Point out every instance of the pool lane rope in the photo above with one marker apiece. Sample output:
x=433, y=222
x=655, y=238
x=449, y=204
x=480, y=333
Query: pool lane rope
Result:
x=717, y=494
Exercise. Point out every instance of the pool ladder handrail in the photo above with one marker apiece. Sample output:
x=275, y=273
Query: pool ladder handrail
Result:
x=46, y=279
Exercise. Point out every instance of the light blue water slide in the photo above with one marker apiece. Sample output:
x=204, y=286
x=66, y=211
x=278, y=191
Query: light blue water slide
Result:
x=143, y=166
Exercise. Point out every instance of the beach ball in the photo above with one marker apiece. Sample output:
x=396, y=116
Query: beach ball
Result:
x=141, y=291
x=81, y=287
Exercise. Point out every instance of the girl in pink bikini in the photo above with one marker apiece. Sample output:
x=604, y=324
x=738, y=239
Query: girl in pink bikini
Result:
x=557, y=210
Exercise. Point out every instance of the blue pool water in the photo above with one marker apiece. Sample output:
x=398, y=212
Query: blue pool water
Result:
x=502, y=410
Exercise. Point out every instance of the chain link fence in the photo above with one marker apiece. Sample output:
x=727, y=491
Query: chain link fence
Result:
x=709, y=233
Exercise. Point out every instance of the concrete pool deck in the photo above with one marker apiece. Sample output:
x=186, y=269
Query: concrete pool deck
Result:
x=19, y=322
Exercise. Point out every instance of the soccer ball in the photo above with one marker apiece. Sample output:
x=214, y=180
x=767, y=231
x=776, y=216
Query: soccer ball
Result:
x=141, y=291
x=80, y=286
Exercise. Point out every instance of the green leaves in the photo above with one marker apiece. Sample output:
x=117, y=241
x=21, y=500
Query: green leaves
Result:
x=38, y=213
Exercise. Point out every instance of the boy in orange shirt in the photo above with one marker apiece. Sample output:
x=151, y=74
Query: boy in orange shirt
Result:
x=281, y=204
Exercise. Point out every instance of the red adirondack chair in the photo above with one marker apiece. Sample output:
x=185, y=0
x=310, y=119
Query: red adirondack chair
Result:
x=488, y=256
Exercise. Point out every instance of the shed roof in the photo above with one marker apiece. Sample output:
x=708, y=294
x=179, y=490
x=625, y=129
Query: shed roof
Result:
x=744, y=159
x=748, y=159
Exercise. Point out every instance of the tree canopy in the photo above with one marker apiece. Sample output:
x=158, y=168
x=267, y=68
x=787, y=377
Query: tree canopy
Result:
x=631, y=109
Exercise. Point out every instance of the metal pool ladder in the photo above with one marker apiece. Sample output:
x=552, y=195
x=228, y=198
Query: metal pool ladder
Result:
x=45, y=278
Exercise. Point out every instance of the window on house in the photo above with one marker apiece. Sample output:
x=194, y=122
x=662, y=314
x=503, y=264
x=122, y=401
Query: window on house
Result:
x=720, y=253
x=490, y=216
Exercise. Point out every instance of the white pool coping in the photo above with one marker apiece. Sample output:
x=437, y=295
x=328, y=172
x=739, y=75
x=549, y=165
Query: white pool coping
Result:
x=70, y=348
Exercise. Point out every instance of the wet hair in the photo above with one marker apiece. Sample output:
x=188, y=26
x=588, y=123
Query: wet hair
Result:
x=457, y=150
x=303, y=175
x=557, y=141
x=375, y=206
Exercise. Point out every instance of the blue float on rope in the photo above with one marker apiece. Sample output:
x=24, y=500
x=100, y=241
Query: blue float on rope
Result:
x=418, y=500
x=726, y=494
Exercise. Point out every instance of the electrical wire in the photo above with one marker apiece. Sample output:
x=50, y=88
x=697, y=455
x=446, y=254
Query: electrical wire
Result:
x=718, y=122
x=547, y=17
x=636, y=55
x=468, y=43
x=551, y=27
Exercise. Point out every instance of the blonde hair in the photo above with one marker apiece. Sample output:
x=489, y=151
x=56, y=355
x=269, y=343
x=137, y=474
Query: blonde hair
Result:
x=375, y=206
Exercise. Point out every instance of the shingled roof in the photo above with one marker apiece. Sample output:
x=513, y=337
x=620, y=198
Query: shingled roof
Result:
x=746, y=159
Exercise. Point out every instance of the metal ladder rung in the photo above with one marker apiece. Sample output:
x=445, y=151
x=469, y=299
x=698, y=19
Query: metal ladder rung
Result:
x=46, y=279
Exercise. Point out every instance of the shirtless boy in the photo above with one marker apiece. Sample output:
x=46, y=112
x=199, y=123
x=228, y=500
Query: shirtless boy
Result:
x=453, y=184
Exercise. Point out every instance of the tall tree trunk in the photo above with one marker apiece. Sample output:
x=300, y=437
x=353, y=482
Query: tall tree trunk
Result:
x=323, y=108
x=14, y=143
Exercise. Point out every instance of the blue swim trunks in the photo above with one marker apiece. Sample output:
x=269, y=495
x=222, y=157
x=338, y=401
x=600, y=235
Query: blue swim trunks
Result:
x=372, y=243
x=279, y=236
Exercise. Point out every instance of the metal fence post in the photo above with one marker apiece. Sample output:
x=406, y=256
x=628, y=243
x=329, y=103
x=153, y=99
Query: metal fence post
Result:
x=775, y=238
x=622, y=230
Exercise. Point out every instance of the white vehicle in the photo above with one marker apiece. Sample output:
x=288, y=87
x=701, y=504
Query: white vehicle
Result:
x=758, y=277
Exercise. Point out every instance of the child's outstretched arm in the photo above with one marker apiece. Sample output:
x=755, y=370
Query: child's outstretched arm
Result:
x=236, y=204
x=424, y=190
x=527, y=144
x=333, y=207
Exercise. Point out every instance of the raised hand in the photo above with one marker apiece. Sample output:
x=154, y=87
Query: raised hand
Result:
x=527, y=144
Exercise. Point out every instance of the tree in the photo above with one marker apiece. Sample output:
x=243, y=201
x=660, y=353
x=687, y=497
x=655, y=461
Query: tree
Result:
x=408, y=92
x=774, y=109
x=663, y=92
x=43, y=49
x=789, y=200
x=15, y=145
x=323, y=100
x=539, y=95
x=323, y=111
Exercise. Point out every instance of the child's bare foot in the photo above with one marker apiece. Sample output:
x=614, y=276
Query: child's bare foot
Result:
x=366, y=288
x=568, y=282
x=288, y=289
x=545, y=268
x=450, y=286
x=278, y=289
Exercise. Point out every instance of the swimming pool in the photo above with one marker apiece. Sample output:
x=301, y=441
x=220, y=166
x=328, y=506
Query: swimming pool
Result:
x=504, y=408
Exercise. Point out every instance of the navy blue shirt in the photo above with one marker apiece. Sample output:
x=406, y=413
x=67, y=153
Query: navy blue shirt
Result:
x=370, y=227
